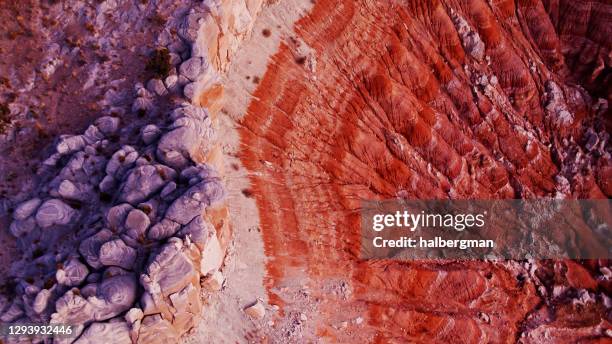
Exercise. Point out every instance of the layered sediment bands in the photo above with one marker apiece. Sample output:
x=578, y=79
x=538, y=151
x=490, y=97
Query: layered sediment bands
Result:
x=429, y=100
x=583, y=29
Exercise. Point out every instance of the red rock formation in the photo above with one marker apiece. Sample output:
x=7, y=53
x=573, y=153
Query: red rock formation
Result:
x=431, y=100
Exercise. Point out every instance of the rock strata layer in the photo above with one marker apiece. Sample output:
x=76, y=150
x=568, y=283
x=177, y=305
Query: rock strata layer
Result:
x=427, y=100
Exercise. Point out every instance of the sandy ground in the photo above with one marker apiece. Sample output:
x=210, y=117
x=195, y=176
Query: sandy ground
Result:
x=223, y=319
x=244, y=266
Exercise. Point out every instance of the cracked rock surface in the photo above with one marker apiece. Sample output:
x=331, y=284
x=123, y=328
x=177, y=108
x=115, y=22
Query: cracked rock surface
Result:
x=135, y=250
x=112, y=235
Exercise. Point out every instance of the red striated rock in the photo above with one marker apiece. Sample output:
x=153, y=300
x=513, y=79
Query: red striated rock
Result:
x=578, y=277
x=585, y=40
x=429, y=100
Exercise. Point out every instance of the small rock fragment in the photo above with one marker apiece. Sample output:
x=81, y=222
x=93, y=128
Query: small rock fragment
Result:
x=41, y=301
x=92, y=134
x=72, y=308
x=137, y=223
x=115, y=296
x=171, y=83
x=145, y=180
x=69, y=144
x=116, y=215
x=19, y=228
x=72, y=273
x=54, y=212
x=163, y=229
x=192, y=68
x=27, y=208
x=212, y=255
x=199, y=230
x=142, y=104
x=155, y=329
x=190, y=90
x=256, y=311
x=157, y=86
x=150, y=133
x=192, y=203
x=167, y=191
x=107, y=124
x=90, y=247
x=213, y=281
x=107, y=184
x=117, y=253
x=74, y=191
x=133, y=315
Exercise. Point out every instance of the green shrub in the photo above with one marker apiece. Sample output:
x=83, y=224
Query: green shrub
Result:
x=5, y=119
x=159, y=63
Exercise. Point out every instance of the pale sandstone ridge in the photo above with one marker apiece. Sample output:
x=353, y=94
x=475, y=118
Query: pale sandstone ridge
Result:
x=129, y=216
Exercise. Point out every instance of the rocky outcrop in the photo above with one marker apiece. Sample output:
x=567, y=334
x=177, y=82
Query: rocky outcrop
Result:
x=121, y=248
x=116, y=237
